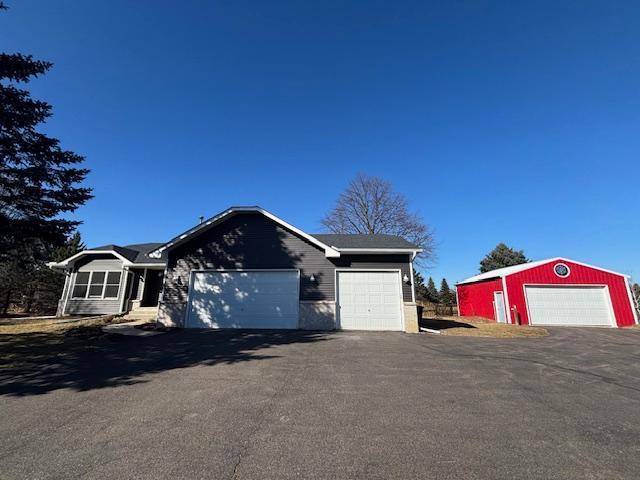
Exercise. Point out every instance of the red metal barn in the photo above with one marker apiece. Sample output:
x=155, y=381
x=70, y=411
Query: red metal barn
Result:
x=556, y=291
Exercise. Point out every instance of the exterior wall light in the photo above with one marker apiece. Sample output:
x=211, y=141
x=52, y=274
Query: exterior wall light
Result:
x=405, y=278
x=312, y=278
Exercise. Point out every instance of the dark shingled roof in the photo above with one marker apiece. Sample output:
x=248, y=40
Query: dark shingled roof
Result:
x=363, y=240
x=136, y=253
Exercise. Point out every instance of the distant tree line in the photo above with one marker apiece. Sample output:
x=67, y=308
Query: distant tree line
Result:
x=429, y=293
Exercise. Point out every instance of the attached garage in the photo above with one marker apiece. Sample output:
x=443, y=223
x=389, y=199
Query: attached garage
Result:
x=369, y=300
x=246, y=268
x=553, y=292
x=244, y=299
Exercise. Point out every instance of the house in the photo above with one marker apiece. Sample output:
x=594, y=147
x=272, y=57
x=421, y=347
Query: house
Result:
x=247, y=268
x=111, y=279
x=556, y=291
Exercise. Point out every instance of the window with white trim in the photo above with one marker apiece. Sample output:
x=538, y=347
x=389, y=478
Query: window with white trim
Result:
x=112, y=285
x=96, y=285
x=561, y=270
x=81, y=285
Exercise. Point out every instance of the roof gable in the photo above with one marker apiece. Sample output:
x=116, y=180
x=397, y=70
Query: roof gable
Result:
x=227, y=214
x=130, y=255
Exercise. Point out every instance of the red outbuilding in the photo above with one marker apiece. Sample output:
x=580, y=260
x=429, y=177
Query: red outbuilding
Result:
x=556, y=291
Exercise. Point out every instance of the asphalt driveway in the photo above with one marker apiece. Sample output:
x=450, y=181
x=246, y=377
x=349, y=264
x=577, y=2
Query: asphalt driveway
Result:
x=277, y=405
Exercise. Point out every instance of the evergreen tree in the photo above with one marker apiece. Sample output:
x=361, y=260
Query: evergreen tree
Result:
x=447, y=296
x=432, y=292
x=635, y=290
x=39, y=181
x=45, y=286
x=73, y=245
x=420, y=288
x=502, y=256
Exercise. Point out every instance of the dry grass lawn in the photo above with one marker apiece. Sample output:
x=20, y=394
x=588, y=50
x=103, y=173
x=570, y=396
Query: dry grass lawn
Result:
x=55, y=325
x=480, y=327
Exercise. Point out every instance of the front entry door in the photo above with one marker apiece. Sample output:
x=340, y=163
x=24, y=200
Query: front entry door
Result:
x=152, y=288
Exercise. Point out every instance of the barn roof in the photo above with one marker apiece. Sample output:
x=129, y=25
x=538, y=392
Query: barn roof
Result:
x=503, y=272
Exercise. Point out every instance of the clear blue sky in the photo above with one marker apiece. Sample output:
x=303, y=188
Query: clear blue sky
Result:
x=500, y=121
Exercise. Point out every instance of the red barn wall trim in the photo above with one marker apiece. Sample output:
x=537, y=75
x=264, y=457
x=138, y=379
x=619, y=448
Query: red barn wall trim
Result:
x=507, y=305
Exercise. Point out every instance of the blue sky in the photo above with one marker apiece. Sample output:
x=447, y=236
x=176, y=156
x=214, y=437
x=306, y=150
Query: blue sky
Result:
x=500, y=121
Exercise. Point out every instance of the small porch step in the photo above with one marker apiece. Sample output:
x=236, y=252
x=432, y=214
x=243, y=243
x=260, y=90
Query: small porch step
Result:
x=142, y=313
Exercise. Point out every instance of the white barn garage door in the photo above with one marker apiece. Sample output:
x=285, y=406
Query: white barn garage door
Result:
x=369, y=301
x=565, y=305
x=250, y=299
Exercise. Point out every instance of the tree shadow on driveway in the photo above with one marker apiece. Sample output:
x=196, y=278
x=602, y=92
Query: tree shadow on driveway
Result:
x=86, y=358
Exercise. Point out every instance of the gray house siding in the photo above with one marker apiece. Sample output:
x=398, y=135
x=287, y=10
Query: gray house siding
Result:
x=249, y=241
x=252, y=241
x=91, y=306
x=99, y=263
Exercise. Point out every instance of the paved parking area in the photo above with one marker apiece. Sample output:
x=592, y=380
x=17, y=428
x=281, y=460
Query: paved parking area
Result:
x=278, y=405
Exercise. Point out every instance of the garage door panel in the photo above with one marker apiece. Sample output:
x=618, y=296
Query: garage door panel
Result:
x=389, y=309
x=375, y=299
x=361, y=309
x=569, y=305
x=377, y=310
x=390, y=289
x=360, y=289
x=376, y=305
x=376, y=288
x=244, y=300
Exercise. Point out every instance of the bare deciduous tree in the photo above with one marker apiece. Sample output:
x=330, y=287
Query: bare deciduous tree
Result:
x=369, y=205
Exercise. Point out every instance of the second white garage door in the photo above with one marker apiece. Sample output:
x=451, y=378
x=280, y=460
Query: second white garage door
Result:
x=560, y=305
x=369, y=301
x=250, y=299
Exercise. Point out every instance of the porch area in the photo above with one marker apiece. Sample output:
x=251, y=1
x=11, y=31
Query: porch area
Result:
x=144, y=293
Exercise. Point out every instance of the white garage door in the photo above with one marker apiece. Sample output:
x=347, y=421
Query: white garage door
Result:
x=243, y=300
x=588, y=306
x=369, y=301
